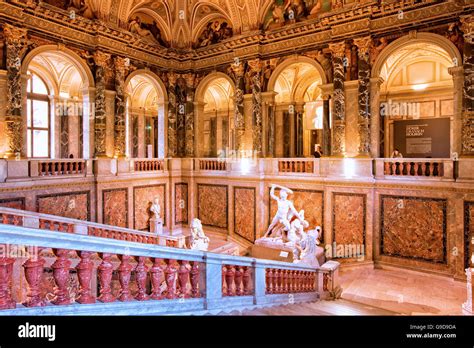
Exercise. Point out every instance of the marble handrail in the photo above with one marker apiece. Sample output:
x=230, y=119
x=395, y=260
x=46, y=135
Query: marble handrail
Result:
x=58, y=167
x=296, y=165
x=211, y=164
x=41, y=221
x=191, y=276
x=147, y=165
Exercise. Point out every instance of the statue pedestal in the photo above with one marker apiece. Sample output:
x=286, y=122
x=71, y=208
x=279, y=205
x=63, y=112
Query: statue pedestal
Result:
x=468, y=306
x=156, y=226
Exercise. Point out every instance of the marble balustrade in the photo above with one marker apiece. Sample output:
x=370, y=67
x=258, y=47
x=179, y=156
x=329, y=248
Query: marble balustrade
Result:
x=175, y=274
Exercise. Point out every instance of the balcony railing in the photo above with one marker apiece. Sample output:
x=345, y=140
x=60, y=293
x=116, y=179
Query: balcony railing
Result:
x=211, y=164
x=147, y=165
x=420, y=168
x=161, y=276
x=296, y=165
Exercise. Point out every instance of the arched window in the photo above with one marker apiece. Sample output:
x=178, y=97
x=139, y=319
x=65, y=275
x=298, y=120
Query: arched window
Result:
x=38, y=118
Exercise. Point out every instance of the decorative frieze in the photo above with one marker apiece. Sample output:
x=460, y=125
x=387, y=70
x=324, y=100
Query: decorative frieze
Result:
x=16, y=40
x=102, y=63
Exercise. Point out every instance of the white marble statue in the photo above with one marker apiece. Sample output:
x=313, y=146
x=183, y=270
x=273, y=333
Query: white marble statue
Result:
x=311, y=255
x=199, y=241
x=286, y=209
x=156, y=222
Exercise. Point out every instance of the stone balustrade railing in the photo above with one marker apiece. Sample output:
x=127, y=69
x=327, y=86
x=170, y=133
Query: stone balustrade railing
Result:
x=165, y=280
x=211, y=164
x=147, y=165
x=415, y=168
x=326, y=167
x=287, y=281
x=40, y=221
x=58, y=167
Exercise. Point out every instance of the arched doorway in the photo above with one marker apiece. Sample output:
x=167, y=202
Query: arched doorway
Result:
x=215, y=105
x=298, y=107
x=418, y=113
x=57, y=113
x=146, y=132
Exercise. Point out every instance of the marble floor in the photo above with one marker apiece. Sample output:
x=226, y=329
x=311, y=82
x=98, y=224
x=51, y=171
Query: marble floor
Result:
x=402, y=291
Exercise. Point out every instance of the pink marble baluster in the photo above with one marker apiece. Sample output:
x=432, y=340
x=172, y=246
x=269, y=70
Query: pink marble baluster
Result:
x=6, y=267
x=17, y=220
x=171, y=273
x=246, y=278
x=290, y=282
x=394, y=168
x=157, y=277
x=141, y=273
x=33, y=272
x=5, y=219
x=195, y=277
x=61, y=276
x=268, y=281
x=229, y=279
x=183, y=277
x=423, y=169
x=277, y=275
x=224, y=270
x=431, y=166
x=416, y=166
x=238, y=280
x=125, y=272
x=84, y=274
x=105, y=271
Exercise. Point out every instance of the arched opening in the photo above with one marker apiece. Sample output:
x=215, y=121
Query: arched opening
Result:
x=299, y=109
x=417, y=112
x=145, y=116
x=57, y=105
x=215, y=101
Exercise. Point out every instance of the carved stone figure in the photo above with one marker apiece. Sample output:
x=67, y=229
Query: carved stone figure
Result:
x=376, y=49
x=312, y=255
x=455, y=35
x=199, y=241
x=156, y=222
x=286, y=209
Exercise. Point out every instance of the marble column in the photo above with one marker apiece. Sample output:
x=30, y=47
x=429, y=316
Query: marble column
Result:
x=376, y=121
x=468, y=90
x=256, y=69
x=338, y=124
x=199, y=124
x=181, y=101
x=101, y=60
x=121, y=69
x=239, y=120
x=326, y=94
x=268, y=108
x=16, y=40
x=189, y=117
x=172, y=115
x=279, y=148
x=363, y=46
x=457, y=72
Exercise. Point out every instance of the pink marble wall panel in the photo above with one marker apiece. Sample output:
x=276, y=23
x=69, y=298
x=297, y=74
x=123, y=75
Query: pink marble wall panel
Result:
x=74, y=205
x=468, y=232
x=181, y=203
x=213, y=205
x=14, y=203
x=143, y=198
x=311, y=201
x=414, y=228
x=245, y=212
x=349, y=214
x=115, y=207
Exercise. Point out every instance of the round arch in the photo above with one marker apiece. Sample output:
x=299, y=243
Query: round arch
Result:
x=201, y=89
x=290, y=61
x=154, y=79
x=74, y=58
x=429, y=38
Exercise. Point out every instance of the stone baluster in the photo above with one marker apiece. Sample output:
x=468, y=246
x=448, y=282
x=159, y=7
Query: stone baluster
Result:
x=195, y=277
x=125, y=272
x=229, y=279
x=246, y=278
x=157, y=278
x=339, y=119
x=238, y=281
x=141, y=272
x=277, y=281
x=284, y=281
x=61, y=277
x=6, y=267
x=291, y=281
x=171, y=273
x=105, y=271
x=34, y=267
x=183, y=277
x=269, y=281
x=84, y=274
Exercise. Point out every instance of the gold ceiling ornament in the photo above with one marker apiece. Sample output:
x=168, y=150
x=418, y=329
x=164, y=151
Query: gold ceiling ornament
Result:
x=338, y=49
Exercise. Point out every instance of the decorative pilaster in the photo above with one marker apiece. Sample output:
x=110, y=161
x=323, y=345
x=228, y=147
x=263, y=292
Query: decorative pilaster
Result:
x=172, y=115
x=238, y=72
x=101, y=60
x=16, y=45
x=255, y=67
x=339, y=127
x=468, y=90
x=121, y=69
x=189, y=118
x=364, y=44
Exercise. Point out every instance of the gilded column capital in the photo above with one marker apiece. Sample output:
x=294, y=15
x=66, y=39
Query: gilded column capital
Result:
x=255, y=66
x=456, y=71
x=338, y=49
x=101, y=58
x=121, y=65
x=467, y=26
x=238, y=69
x=190, y=79
x=172, y=78
x=364, y=44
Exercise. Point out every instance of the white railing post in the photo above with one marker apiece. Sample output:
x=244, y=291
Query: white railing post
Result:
x=213, y=282
x=259, y=282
